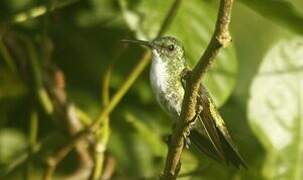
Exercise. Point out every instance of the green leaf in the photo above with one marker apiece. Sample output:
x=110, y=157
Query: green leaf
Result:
x=282, y=12
x=12, y=142
x=152, y=139
x=10, y=84
x=194, y=26
x=275, y=109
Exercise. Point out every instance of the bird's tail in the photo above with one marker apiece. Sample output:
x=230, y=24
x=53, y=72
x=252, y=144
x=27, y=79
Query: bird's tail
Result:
x=204, y=145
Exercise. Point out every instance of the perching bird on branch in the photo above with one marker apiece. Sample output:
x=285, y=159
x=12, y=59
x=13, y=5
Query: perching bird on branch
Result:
x=209, y=133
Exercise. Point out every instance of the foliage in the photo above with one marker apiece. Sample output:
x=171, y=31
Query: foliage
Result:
x=256, y=82
x=278, y=84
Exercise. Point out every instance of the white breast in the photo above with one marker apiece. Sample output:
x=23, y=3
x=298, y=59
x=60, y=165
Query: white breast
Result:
x=159, y=78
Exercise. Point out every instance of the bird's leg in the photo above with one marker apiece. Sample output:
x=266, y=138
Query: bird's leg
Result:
x=184, y=76
x=191, y=124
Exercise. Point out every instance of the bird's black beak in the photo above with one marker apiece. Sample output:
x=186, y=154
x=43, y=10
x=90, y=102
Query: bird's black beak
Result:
x=140, y=42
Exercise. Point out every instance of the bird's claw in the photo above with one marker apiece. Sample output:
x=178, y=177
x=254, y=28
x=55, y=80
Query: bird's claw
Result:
x=186, y=141
x=191, y=123
x=187, y=133
x=198, y=110
x=184, y=76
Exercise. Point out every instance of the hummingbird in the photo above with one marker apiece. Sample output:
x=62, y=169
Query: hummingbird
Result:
x=208, y=134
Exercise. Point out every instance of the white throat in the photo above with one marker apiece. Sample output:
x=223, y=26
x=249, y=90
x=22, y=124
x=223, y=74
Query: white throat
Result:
x=158, y=73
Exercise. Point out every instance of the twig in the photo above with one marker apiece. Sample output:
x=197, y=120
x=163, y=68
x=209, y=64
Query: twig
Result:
x=39, y=11
x=109, y=168
x=103, y=133
x=49, y=170
x=7, y=57
x=36, y=78
x=57, y=156
x=220, y=38
x=33, y=135
x=65, y=111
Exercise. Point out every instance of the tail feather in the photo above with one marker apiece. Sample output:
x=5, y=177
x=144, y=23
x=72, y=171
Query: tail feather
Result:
x=204, y=145
x=232, y=154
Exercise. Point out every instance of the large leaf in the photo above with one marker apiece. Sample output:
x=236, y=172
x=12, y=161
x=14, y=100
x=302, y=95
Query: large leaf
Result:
x=275, y=109
x=283, y=12
x=193, y=25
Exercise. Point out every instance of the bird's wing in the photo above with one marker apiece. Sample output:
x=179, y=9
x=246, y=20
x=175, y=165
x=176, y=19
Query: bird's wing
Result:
x=222, y=146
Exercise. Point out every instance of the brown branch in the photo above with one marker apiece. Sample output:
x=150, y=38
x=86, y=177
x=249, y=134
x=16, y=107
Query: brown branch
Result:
x=220, y=38
x=109, y=168
x=65, y=112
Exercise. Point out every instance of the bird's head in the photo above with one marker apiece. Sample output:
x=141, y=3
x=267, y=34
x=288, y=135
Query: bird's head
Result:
x=166, y=49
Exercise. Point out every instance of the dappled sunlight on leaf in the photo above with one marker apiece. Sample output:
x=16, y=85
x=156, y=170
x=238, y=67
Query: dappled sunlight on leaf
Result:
x=275, y=109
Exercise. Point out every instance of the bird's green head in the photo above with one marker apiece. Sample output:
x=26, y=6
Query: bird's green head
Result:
x=167, y=49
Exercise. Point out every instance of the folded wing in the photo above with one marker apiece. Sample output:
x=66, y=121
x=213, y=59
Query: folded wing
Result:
x=211, y=136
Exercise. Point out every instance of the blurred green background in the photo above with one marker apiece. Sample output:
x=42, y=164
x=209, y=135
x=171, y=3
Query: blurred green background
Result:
x=54, y=55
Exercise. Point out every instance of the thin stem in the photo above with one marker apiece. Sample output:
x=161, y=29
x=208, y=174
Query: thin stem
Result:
x=105, y=87
x=39, y=11
x=7, y=57
x=37, y=79
x=103, y=133
x=109, y=168
x=49, y=172
x=33, y=135
x=33, y=129
x=137, y=70
x=220, y=38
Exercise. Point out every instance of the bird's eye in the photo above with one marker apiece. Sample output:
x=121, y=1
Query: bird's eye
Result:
x=171, y=47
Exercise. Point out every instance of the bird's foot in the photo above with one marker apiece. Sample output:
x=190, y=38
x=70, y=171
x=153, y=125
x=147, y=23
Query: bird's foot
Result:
x=186, y=141
x=199, y=109
x=191, y=123
x=187, y=133
x=184, y=76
